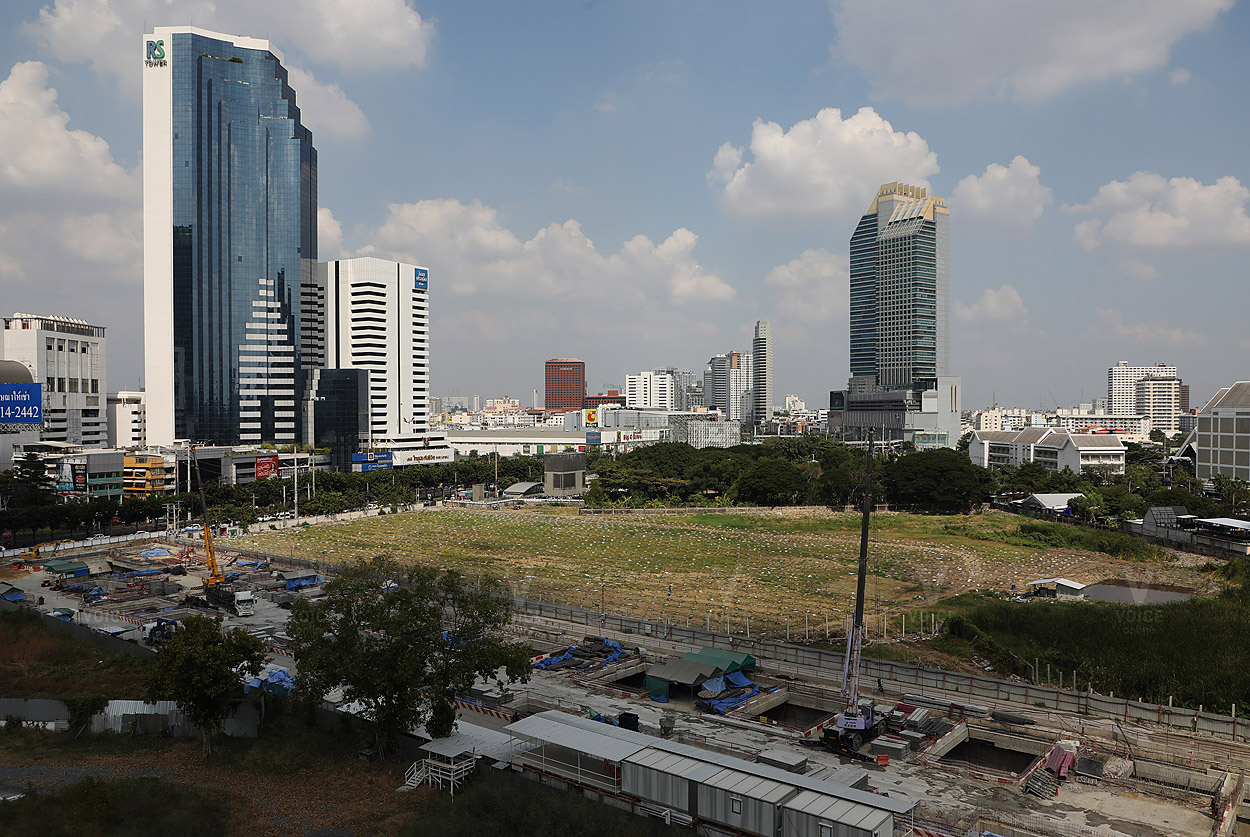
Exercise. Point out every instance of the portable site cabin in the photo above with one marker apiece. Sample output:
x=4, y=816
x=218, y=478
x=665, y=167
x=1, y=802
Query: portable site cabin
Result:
x=813, y=814
x=726, y=661
x=743, y=802
x=668, y=779
x=683, y=783
x=1063, y=587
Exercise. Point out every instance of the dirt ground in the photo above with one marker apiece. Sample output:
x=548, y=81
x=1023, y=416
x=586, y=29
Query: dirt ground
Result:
x=360, y=800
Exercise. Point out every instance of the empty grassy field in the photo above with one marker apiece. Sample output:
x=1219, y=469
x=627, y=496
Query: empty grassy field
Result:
x=768, y=566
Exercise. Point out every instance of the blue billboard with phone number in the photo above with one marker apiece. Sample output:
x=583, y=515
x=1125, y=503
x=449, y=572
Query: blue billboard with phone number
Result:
x=21, y=403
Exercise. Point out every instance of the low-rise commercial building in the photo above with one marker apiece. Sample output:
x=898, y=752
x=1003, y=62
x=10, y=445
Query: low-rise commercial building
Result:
x=1054, y=448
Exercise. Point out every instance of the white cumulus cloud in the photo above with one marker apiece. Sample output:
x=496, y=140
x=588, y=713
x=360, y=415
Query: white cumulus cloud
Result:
x=40, y=156
x=1151, y=211
x=961, y=50
x=70, y=215
x=823, y=165
x=554, y=292
x=325, y=108
x=478, y=254
x=329, y=235
x=814, y=288
x=1003, y=198
x=352, y=34
x=1112, y=324
x=1003, y=305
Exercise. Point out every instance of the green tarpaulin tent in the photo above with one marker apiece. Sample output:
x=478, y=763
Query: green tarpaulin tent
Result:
x=726, y=661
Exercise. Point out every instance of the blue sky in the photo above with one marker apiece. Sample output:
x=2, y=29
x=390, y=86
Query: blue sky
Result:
x=636, y=183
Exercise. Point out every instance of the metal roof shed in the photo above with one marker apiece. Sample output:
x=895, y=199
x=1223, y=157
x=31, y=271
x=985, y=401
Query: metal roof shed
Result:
x=587, y=755
x=744, y=802
x=813, y=814
x=666, y=779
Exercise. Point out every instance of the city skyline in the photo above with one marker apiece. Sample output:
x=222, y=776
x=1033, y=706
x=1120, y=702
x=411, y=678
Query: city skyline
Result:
x=545, y=196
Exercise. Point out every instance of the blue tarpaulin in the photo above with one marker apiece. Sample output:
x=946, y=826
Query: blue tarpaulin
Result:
x=155, y=552
x=616, y=654
x=307, y=581
x=137, y=573
x=719, y=685
x=550, y=661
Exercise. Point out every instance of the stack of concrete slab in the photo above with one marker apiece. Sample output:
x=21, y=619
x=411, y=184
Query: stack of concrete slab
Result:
x=917, y=718
x=916, y=739
x=786, y=760
x=889, y=745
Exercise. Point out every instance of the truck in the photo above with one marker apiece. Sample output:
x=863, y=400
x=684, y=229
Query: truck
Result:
x=238, y=602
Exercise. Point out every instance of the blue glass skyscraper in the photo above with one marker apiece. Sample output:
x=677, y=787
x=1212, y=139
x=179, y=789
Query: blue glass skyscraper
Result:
x=900, y=291
x=230, y=239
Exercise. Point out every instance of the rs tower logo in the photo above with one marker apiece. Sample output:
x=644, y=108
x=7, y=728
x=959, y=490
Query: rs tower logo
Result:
x=156, y=54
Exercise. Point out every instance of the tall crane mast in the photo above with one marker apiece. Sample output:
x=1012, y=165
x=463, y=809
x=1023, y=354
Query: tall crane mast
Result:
x=855, y=641
x=856, y=724
x=214, y=573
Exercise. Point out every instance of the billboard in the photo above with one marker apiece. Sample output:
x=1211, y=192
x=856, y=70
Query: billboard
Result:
x=21, y=403
x=373, y=456
x=80, y=476
x=590, y=417
x=266, y=467
x=594, y=437
x=421, y=279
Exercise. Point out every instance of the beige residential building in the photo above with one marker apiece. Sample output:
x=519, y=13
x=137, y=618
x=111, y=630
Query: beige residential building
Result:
x=1221, y=440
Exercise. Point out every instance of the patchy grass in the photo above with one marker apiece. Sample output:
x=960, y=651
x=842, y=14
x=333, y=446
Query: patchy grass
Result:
x=37, y=660
x=125, y=806
x=703, y=567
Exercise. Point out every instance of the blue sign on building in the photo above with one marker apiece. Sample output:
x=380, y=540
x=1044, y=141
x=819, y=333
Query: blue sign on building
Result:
x=21, y=403
x=594, y=437
x=373, y=456
x=422, y=278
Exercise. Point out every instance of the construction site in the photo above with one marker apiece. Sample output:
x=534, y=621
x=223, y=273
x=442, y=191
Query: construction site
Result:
x=727, y=734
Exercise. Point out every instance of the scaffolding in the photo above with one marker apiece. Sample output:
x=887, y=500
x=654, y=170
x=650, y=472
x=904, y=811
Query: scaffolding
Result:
x=443, y=771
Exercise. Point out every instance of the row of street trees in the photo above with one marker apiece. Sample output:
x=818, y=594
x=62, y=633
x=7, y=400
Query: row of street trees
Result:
x=807, y=470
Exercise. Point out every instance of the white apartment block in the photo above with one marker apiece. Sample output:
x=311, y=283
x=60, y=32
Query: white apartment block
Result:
x=1130, y=428
x=654, y=390
x=1056, y=449
x=1160, y=399
x=1122, y=385
x=128, y=419
x=377, y=317
x=68, y=357
x=794, y=404
x=1007, y=418
x=1221, y=440
x=762, y=373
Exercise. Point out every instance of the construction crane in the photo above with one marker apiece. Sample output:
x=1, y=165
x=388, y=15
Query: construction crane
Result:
x=217, y=593
x=856, y=724
x=214, y=573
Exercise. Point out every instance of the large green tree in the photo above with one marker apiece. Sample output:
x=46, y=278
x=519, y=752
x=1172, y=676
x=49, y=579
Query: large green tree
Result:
x=202, y=669
x=939, y=479
x=31, y=485
x=773, y=482
x=403, y=642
